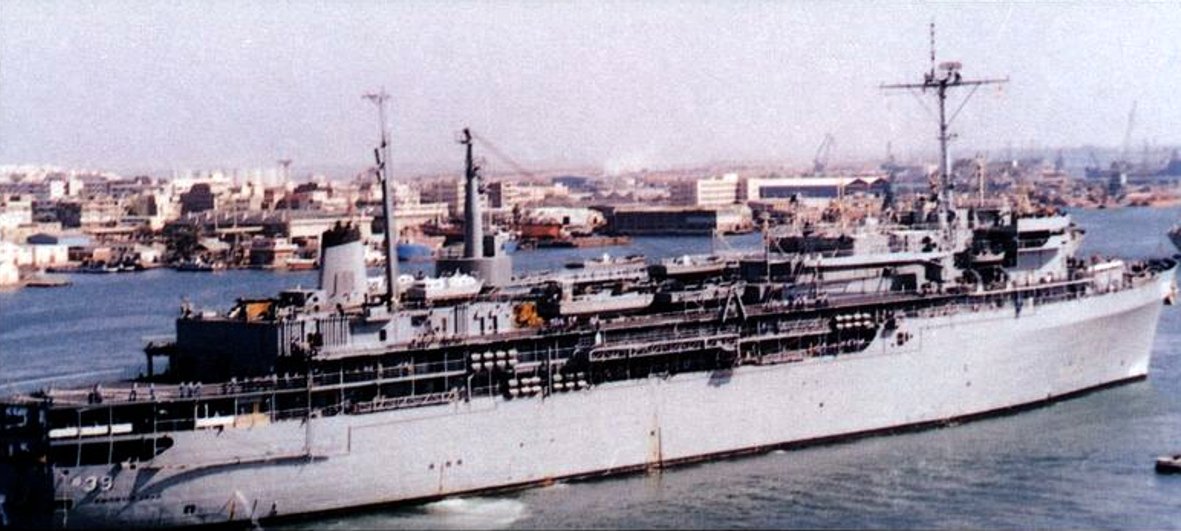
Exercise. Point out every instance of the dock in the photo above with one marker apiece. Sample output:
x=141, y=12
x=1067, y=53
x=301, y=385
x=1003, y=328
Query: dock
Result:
x=43, y=281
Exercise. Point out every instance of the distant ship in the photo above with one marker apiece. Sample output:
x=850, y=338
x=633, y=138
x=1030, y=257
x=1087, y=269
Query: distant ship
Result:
x=318, y=400
x=417, y=247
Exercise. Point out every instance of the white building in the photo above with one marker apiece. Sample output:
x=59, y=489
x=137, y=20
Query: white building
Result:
x=43, y=250
x=9, y=274
x=812, y=190
x=14, y=212
x=571, y=216
x=711, y=191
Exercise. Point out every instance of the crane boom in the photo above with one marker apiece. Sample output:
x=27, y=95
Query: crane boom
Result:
x=820, y=160
x=1128, y=133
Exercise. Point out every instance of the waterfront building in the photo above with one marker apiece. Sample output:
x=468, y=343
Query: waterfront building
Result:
x=508, y=194
x=574, y=183
x=449, y=191
x=813, y=189
x=585, y=218
x=199, y=198
x=711, y=191
x=15, y=211
x=45, y=250
x=9, y=273
x=44, y=189
x=676, y=220
x=307, y=226
x=418, y=214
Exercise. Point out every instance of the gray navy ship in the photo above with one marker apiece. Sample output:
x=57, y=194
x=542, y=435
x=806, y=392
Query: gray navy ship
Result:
x=361, y=393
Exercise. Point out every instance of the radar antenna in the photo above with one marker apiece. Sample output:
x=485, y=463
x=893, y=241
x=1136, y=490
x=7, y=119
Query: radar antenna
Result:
x=939, y=80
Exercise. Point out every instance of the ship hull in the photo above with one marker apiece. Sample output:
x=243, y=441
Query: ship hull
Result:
x=1175, y=237
x=974, y=362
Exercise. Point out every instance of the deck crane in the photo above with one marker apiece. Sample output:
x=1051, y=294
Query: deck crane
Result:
x=491, y=148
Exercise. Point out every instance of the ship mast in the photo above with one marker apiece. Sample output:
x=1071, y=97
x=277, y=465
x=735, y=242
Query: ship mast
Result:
x=473, y=229
x=939, y=80
x=382, y=156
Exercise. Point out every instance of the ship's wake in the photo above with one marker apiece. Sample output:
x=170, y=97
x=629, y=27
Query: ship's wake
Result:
x=476, y=513
x=31, y=383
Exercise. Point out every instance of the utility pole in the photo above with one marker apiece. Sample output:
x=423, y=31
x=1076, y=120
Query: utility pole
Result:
x=382, y=156
x=939, y=80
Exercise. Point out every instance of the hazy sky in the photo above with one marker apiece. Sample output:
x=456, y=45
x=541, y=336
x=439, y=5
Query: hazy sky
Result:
x=125, y=85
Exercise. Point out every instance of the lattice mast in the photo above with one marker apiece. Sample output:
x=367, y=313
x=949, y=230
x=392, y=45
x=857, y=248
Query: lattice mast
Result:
x=938, y=80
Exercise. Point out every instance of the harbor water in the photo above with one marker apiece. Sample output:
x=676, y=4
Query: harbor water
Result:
x=1085, y=462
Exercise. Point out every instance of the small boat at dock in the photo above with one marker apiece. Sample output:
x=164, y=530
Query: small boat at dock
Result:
x=297, y=263
x=199, y=265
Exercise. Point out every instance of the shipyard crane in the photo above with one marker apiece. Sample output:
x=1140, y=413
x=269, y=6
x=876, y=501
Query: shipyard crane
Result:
x=1128, y=132
x=820, y=160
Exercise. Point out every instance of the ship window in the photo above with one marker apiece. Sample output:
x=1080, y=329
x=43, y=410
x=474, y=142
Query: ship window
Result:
x=190, y=509
x=381, y=335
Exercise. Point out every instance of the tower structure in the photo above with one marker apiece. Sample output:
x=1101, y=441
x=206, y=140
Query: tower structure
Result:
x=938, y=81
x=483, y=257
x=382, y=156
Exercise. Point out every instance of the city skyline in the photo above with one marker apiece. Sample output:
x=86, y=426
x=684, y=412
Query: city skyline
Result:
x=613, y=86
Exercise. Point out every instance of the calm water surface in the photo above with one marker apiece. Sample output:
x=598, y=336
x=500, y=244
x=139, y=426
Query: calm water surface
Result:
x=1085, y=462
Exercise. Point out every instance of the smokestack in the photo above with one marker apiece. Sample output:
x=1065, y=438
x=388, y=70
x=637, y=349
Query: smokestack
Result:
x=342, y=266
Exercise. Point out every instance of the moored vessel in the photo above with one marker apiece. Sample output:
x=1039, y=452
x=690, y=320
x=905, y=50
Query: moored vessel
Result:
x=356, y=393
